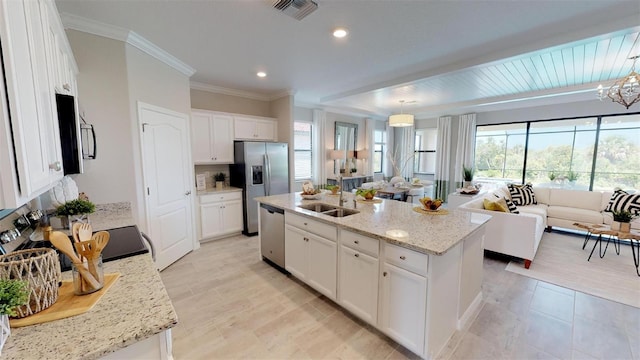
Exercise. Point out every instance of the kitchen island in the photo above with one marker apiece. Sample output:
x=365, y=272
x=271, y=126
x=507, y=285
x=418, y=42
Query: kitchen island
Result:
x=133, y=319
x=416, y=277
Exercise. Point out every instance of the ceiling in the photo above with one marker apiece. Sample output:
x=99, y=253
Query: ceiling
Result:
x=449, y=57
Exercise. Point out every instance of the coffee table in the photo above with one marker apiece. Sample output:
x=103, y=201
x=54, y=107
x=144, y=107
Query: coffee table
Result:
x=599, y=229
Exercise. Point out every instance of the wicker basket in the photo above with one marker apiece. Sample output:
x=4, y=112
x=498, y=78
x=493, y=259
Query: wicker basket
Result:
x=41, y=269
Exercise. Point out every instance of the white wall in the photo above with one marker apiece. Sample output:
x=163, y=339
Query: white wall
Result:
x=282, y=109
x=227, y=103
x=103, y=97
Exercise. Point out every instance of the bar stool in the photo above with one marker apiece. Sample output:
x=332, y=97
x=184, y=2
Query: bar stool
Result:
x=415, y=191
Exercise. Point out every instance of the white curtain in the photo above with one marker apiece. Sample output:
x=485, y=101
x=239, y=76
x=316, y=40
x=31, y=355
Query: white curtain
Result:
x=320, y=157
x=443, y=149
x=388, y=167
x=466, y=146
x=369, y=127
x=406, y=152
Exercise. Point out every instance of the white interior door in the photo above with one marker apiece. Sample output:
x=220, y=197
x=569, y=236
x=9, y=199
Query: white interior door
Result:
x=166, y=164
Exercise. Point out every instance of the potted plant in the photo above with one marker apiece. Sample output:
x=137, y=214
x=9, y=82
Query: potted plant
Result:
x=13, y=293
x=622, y=220
x=220, y=177
x=552, y=176
x=75, y=210
x=467, y=175
x=572, y=176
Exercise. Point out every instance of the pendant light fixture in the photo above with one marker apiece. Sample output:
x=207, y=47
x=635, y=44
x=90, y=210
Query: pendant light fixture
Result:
x=625, y=91
x=401, y=120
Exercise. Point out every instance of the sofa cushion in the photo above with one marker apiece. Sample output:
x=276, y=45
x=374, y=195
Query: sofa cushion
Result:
x=575, y=214
x=623, y=201
x=539, y=209
x=508, y=203
x=579, y=199
x=542, y=194
x=522, y=194
x=495, y=205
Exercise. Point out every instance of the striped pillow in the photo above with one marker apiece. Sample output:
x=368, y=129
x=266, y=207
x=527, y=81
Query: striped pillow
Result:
x=510, y=205
x=621, y=201
x=522, y=194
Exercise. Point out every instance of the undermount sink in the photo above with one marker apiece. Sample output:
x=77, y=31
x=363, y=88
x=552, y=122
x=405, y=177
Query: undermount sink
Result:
x=330, y=210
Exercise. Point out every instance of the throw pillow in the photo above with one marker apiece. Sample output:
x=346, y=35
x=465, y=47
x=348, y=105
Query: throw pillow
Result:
x=621, y=201
x=495, y=205
x=510, y=205
x=522, y=194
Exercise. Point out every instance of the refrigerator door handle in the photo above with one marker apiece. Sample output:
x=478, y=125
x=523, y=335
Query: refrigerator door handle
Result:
x=267, y=166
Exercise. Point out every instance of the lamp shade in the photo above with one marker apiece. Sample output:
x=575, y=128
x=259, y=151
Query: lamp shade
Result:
x=401, y=120
x=336, y=154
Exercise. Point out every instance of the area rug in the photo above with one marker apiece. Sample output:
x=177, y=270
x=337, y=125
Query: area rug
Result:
x=560, y=260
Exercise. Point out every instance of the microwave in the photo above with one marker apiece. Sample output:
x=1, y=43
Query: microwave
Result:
x=77, y=141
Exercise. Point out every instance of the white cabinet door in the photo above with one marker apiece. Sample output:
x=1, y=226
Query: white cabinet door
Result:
x=210, y=220
x=222, y=138
x=358, y=284
x=321, y=271
x=244, y=128
x=232, y=217
x=266, y=130
x=200, y=137
x=403, y=307
x=295, y=251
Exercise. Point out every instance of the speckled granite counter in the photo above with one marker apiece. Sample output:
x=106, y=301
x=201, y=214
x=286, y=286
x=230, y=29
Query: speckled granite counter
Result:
x=136, y=307
x=431, y=234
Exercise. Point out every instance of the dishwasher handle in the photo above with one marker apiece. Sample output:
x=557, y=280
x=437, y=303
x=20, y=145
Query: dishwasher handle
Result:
x=272, y=209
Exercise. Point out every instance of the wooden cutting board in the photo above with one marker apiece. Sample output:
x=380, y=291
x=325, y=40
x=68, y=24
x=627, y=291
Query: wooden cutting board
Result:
x=68, y=304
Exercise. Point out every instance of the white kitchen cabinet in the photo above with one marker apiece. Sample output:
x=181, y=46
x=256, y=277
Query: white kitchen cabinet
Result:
x=358, y=284
x=310, y=257
x=254, y=128
x=403, y=306
x=31, y=159
x=220, y=214
x=211, y=137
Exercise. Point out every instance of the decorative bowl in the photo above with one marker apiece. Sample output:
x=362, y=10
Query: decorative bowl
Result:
x=316, y=196
x=430, y=204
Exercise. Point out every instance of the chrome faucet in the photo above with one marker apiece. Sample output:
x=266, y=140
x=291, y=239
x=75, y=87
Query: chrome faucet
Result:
x=340, y=180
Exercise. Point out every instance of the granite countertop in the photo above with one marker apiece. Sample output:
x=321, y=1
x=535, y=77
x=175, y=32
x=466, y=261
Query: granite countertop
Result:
x=225, y=189
x=427, y=233
x=136, y=307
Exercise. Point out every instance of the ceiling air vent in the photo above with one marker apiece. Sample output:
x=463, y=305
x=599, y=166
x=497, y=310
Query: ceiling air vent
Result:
x=297, y=9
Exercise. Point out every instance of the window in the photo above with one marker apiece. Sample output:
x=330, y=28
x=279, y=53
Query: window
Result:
x=379, y=144
x=302, y=140
x=424, y=160
x=594, y=153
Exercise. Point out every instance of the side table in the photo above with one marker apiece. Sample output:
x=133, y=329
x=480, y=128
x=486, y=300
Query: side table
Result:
x=599, y=229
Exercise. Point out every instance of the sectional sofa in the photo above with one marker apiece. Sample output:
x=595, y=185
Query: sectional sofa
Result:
x=519, y=234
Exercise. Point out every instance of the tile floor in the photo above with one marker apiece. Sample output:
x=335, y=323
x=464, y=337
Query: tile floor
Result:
x=231, y=305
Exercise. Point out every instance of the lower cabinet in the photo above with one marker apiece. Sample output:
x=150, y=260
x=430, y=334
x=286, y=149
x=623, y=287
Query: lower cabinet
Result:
x=220, y=214
x=358, y=281
x=403, y=307
x=312, y=259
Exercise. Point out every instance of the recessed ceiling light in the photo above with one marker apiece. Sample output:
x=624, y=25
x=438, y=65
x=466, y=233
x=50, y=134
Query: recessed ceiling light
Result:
x=340, y=32
x=261, y=74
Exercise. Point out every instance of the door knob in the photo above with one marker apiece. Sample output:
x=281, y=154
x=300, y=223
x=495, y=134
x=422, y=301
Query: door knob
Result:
x=56, y=166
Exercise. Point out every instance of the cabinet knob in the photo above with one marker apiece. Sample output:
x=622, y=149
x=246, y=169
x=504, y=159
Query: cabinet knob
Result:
x=66, y=87
x=188, y=192
x=402, y=257
x=356, y=242
x=384, y=273
x=56, y=166
x=357, y=255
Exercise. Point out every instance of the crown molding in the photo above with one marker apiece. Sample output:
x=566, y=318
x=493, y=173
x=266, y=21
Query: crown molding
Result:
x=83, y=24
x=240, y=93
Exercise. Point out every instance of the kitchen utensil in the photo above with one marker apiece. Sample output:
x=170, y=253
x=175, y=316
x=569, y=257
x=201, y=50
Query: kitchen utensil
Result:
x=85, y=232
x=74, y=231
x=61, y=242
x=101, y=239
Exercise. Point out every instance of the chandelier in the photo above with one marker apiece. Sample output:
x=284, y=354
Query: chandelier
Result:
x=625, y=91
x=401, y=120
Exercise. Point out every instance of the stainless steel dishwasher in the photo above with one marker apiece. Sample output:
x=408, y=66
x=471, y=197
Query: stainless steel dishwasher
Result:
x=272, y=234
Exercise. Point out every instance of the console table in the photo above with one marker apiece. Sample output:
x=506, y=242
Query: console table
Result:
x=351, y=182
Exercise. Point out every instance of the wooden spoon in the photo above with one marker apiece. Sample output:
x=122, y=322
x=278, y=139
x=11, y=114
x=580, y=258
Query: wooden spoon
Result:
x=62, y=243
x=74, y=231
x=85, y=232
x=102, y=239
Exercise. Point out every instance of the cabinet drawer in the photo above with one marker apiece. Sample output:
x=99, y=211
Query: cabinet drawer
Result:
x=209, y=198
x=359, y=242
x=315, y=227
x=406, y=259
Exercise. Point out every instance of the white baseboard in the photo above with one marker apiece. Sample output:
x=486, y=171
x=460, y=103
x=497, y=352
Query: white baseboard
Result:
x=471, y=312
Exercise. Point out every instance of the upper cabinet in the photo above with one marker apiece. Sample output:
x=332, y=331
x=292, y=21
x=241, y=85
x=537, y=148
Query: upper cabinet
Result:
x=211, y=137
x=32, y=39
x=255, y=128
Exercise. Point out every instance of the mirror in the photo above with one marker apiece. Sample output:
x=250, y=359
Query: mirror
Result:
x=346, y=139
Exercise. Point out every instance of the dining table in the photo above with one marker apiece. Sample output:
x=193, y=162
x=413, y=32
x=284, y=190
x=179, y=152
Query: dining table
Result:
x=393, y=192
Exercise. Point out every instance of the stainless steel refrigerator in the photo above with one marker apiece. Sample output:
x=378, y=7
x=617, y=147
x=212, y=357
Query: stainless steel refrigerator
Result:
x=260, y=169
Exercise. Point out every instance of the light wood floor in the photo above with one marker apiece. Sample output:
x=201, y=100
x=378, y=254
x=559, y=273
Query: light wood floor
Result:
x=231, y=305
